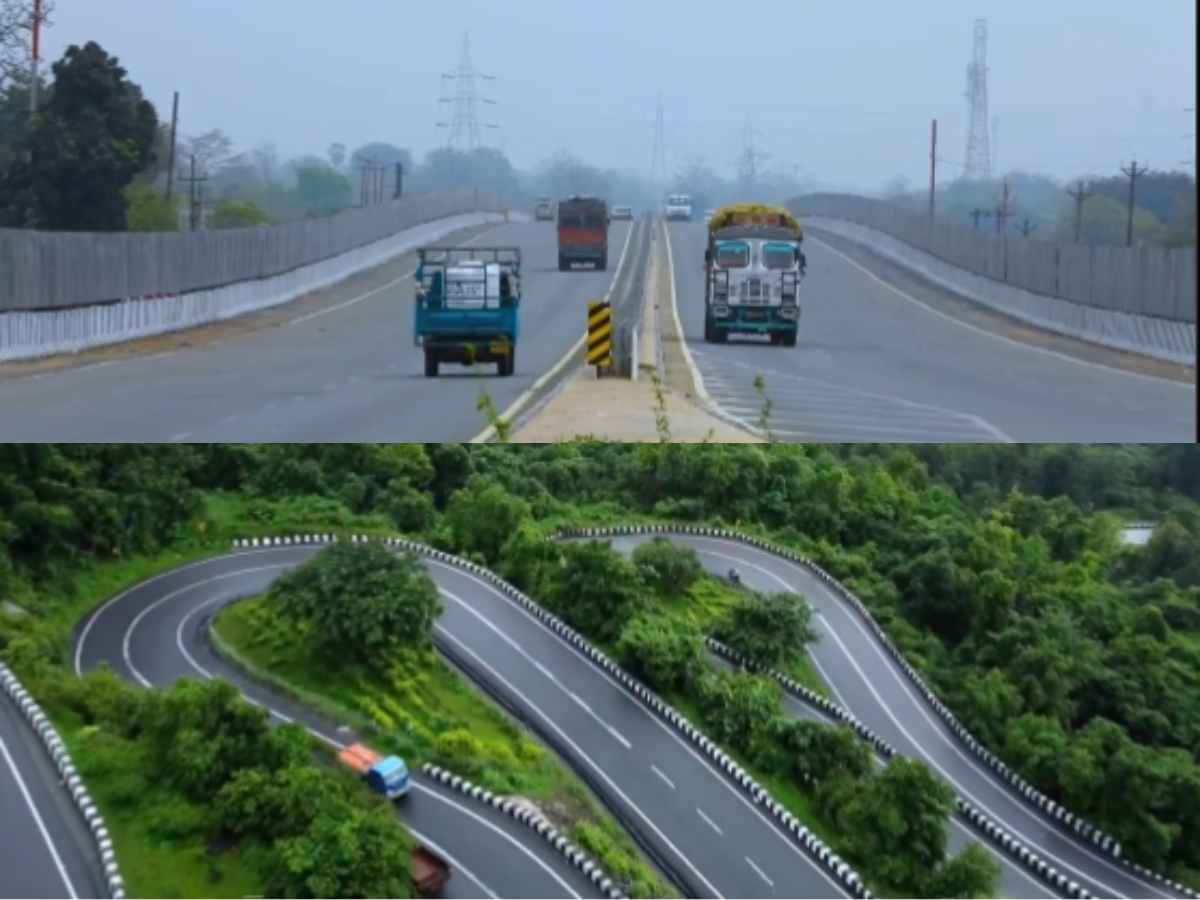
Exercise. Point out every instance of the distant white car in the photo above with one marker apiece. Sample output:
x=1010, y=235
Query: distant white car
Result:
x=621, y=212
x=708, y=214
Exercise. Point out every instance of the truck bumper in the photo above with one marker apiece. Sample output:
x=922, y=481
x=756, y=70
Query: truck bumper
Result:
x=741, y=325
x=469, y=350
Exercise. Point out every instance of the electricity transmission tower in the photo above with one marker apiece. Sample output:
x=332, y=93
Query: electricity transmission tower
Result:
x=750, y=158
x=464, y=125
x=658, y=163
x=979, y=158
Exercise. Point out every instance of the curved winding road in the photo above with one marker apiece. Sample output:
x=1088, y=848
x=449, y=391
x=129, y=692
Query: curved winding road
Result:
x=341, y=369
x=687, y=813
x=873, y=363
x=865, y=679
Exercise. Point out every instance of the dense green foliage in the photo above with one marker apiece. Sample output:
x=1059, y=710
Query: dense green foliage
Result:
x=669, y=568
x=997, y=569
x=308, y=829
x=771, y=628
x=359, y=600
x=93, y=133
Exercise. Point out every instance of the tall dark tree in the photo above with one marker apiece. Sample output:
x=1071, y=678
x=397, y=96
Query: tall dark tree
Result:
x=94, y=133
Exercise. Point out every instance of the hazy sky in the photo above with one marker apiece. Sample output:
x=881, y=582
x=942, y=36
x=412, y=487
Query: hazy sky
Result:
x=842, y=90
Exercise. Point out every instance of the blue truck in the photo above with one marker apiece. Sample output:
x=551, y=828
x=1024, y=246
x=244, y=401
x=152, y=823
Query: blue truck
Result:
x=467, y=306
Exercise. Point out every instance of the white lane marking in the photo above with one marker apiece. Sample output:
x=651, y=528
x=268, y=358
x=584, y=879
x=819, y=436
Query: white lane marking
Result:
x=37, y=817
x=999, y=337
x=351, y=302
x=711, y=824
x=523, y=398
x=761, y=873
x=87, y=628
x=706, y=765
x=338, y=745
x=857, y=393
x=937, y=728
x=582, y=755
x=620, y=738
x=657, y=771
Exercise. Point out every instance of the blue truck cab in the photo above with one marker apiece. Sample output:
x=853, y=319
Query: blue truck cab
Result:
x=389, y=777
x=467, y=306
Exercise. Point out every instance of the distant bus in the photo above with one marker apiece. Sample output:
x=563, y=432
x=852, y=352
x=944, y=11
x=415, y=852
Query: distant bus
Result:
x=582, y=232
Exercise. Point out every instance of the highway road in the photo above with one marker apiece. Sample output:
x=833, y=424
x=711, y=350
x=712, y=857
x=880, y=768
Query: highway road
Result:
x=346, y=370
x=688, y=813
x=46, y=850
x=864, y=679
x=873, y=363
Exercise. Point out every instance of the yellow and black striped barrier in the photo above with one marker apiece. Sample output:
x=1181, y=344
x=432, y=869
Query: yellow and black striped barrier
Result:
x=599, y=334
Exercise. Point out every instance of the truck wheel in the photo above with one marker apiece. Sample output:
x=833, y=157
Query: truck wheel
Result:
x=789, y=339
x=710, y=335
x=431, y=364
x=563, y=265
x=508, y=363
x=602, y=264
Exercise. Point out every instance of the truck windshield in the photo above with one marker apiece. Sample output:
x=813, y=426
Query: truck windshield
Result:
x=733, y=256
x=581, y=219
x=779, y=256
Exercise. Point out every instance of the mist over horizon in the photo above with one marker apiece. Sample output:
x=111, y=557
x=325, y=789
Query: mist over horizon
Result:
x=843, y=102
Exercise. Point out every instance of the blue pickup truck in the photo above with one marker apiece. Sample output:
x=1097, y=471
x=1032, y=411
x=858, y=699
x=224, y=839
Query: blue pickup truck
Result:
x=467, y=306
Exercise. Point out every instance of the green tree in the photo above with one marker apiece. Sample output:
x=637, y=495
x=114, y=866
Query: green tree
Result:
x=740, y=708
x=771, y=629
x=669, y=568
x=276, y=804
x=896, y=824
x=322, y=190
x=345, y=852
x=973, y=874
x=360, y=601
x=595, y=588
x=149, y=210
x=668, y=656
x=94, y=133
x=820, y=752
x=482, y=515
x=230, y=213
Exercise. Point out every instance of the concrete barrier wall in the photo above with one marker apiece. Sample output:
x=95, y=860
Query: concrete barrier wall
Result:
x=1158, y=282
x=31, y=334
x=1165, y=339
x=56, y=270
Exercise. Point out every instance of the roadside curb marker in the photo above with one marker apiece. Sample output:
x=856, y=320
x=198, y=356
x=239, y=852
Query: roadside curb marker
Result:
x=1030, y=794
x=980, y=820
x=834, y=865
x=573, y=854
x=57, y=751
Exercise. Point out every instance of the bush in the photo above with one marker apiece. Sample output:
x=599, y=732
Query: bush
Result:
x=666, y=656
x=741, y=708
x=772, y=629
x=459, y=750
x=820, y=752
x=595, y=589
x=174, y=819
x=669, y=568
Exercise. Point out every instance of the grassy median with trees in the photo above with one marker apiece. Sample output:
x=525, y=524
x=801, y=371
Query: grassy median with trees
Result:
x=998, y=569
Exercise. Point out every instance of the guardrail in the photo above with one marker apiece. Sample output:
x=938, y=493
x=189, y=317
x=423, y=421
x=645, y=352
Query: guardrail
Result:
x=71, y=779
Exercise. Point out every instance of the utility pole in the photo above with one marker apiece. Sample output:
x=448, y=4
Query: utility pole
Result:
x=932, y=169
x=171, y=158
x=976, y=214
x=195, y=194
x=1027, y=227
x=1079, y=195
x=36, y=54
x=1132, y=173
x=1002, y=215
x=399, y=182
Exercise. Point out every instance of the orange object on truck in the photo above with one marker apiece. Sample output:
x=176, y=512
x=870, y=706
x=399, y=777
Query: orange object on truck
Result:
x=582, y=232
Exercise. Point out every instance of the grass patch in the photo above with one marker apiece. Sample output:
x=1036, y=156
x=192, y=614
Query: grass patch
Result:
x=425, y=711
x=160, y=838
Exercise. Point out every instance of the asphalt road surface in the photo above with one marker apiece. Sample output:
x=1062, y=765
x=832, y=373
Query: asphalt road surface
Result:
x=687, y=813
x=345, y=372
x=871, y=365
x=865, y=679
x=46, y=850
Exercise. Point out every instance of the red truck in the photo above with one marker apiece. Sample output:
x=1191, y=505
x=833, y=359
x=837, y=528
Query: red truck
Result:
x=582, y=232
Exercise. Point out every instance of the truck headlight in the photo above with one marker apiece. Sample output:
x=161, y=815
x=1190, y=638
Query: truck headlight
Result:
x=721, y=311
x=788, y=312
